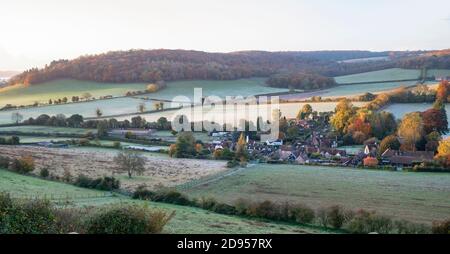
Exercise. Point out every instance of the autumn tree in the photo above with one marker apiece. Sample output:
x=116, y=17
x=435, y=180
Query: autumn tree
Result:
x=305, y=112
x=389, y=142
x=130, y=162
x=443, y=152
x=443, y=91
x=343, y=113
x=435, y=120
x=383, y=124
x=151, y=88
x=185, y=145
x=432, y=141
x=241, y=149
x=411, y=130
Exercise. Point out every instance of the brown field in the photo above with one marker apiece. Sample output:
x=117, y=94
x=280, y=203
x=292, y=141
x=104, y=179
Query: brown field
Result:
x=93, y=162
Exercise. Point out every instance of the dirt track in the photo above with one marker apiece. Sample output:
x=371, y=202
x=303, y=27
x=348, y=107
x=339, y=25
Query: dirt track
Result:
x=160, y=169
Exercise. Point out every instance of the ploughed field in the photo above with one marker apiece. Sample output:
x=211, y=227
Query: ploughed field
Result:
x=98, y=162
x=419, y=197
x=187, y=220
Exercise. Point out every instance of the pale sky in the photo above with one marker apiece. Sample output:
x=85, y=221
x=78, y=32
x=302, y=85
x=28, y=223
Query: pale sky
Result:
x=33, y=32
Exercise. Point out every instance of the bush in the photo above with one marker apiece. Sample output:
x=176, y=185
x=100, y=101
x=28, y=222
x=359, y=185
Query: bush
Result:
x=207, y=203
x=441, y=227
x=117, y=144
x=44, y=173
x=223, y=209
x=69, y=220
x=366, y=222
x=322, y=217
x=33, y=217
x=265, y=209
x=144, y=194
x=23, y=165
x=242, y=206
x=301, y=213
x=406, y=227
x=4, y=162
x=104, y=183
x=232, y=164
x=128, y=220
x=172, y=197
x=336, y=216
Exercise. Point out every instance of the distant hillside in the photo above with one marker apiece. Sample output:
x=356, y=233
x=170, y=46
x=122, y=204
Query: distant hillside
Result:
x=431, y=60
x=169, y=65
x=8, y=74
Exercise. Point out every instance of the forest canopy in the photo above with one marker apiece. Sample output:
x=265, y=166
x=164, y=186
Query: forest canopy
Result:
x=169, y=65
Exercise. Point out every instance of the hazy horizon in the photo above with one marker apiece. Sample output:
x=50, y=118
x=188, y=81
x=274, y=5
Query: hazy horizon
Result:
x=36, y=34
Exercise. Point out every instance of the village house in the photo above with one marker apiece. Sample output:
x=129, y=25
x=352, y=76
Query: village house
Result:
x=406, y=158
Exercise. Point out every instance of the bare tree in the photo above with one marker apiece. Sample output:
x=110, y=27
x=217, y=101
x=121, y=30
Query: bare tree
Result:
x=130, y=162
x=98, y=112
x=141, y=107
x=17, y=117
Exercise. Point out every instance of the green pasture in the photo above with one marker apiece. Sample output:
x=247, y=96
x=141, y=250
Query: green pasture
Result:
x=187, y=220
x=420, y=197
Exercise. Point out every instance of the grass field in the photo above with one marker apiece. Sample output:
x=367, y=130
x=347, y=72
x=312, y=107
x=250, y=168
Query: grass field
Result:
x=47, y=130
x=399, y=109
x=26, y=95
x=187, y=220
x=438, y=73
x=353, y=90
x=383, y=75
x=221, y=88
x=244, y=87
x=420, y=197
x=86, y=109
x=34, y=139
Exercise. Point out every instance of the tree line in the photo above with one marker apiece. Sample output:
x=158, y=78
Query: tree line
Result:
x=170, y=65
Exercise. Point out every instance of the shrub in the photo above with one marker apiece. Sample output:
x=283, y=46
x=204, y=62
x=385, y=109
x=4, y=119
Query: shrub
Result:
x=322, y=217
x=33, y=217
x=301, y=213
x=406, y=227
x=108, y=184
x=142, y=193
x=223, y=209
x=23, y=165
x=128, y=220
x=117, y=144
x=336, y=216
x=232, y=164
x=44, y=172
x=207, y=203
x=242, y=206
x=366, y=222
x=172, y=197
x=69, y=220
x=4, y=162
x=265, y=209
x=104, y=183
x=441, y=227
